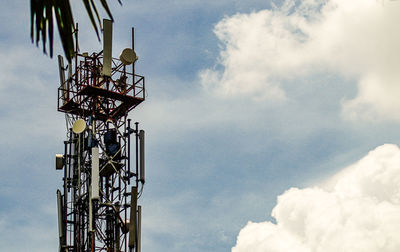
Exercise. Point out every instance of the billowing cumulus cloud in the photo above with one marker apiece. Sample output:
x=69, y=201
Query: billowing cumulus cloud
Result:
x=356, y=210
x=356, y=39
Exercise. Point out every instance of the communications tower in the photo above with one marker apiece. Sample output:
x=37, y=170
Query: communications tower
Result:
x=97, y=205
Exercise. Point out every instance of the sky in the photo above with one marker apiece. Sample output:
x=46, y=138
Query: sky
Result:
x=270, y=125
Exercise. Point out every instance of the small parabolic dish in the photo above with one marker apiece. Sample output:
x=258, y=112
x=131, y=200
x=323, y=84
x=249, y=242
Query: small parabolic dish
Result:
x=128, y=56
x=79, y=126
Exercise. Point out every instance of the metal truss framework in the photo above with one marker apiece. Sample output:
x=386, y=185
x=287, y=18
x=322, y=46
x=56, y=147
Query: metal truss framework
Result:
x=97, y=206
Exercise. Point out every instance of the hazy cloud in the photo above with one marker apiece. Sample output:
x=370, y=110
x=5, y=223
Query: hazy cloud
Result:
x=355, y=39
x=356, y=210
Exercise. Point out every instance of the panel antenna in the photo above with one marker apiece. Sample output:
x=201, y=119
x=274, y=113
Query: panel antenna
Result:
x=107, y=47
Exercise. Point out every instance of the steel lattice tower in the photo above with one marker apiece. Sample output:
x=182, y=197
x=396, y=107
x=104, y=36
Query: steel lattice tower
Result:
x=97, y=206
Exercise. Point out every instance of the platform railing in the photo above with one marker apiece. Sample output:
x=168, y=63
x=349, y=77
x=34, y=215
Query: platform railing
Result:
x=88, y=73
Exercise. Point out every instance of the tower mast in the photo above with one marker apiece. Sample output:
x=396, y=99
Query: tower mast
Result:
x=98, y=204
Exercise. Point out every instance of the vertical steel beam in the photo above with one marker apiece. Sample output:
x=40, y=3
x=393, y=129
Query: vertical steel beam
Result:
x=133, y=64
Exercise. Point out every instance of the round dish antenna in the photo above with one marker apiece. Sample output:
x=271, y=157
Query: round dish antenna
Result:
x=79, y=126
x=128, y=56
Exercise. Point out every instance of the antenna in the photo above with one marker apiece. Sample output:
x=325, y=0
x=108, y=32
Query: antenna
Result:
x=59, y=161
x=141, y=147
x=61, y=71
x=60, y=219
x=79, y=126
x=91, y=229
x=95, y=174
x=133, y=220
x=107, y=47
x=139, y=229
x=128, y=56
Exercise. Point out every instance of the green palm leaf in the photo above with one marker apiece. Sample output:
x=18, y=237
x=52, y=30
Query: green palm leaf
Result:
x=42, y=16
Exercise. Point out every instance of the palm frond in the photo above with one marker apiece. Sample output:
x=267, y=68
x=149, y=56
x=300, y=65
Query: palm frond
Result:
x=90, y=14
x=42, y=21
x=105, y=6
x=42, y=12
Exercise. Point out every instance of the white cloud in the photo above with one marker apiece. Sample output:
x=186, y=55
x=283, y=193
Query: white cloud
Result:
x=356, y=210
x=356, y=39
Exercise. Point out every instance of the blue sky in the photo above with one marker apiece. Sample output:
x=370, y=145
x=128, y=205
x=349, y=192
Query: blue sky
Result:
x=246, y=99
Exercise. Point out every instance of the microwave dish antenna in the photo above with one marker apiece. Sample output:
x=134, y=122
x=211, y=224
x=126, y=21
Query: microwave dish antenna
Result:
x=128, y=56
x=79, y=126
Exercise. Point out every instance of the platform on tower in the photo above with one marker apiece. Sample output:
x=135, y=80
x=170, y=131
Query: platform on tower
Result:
x=88, y=92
